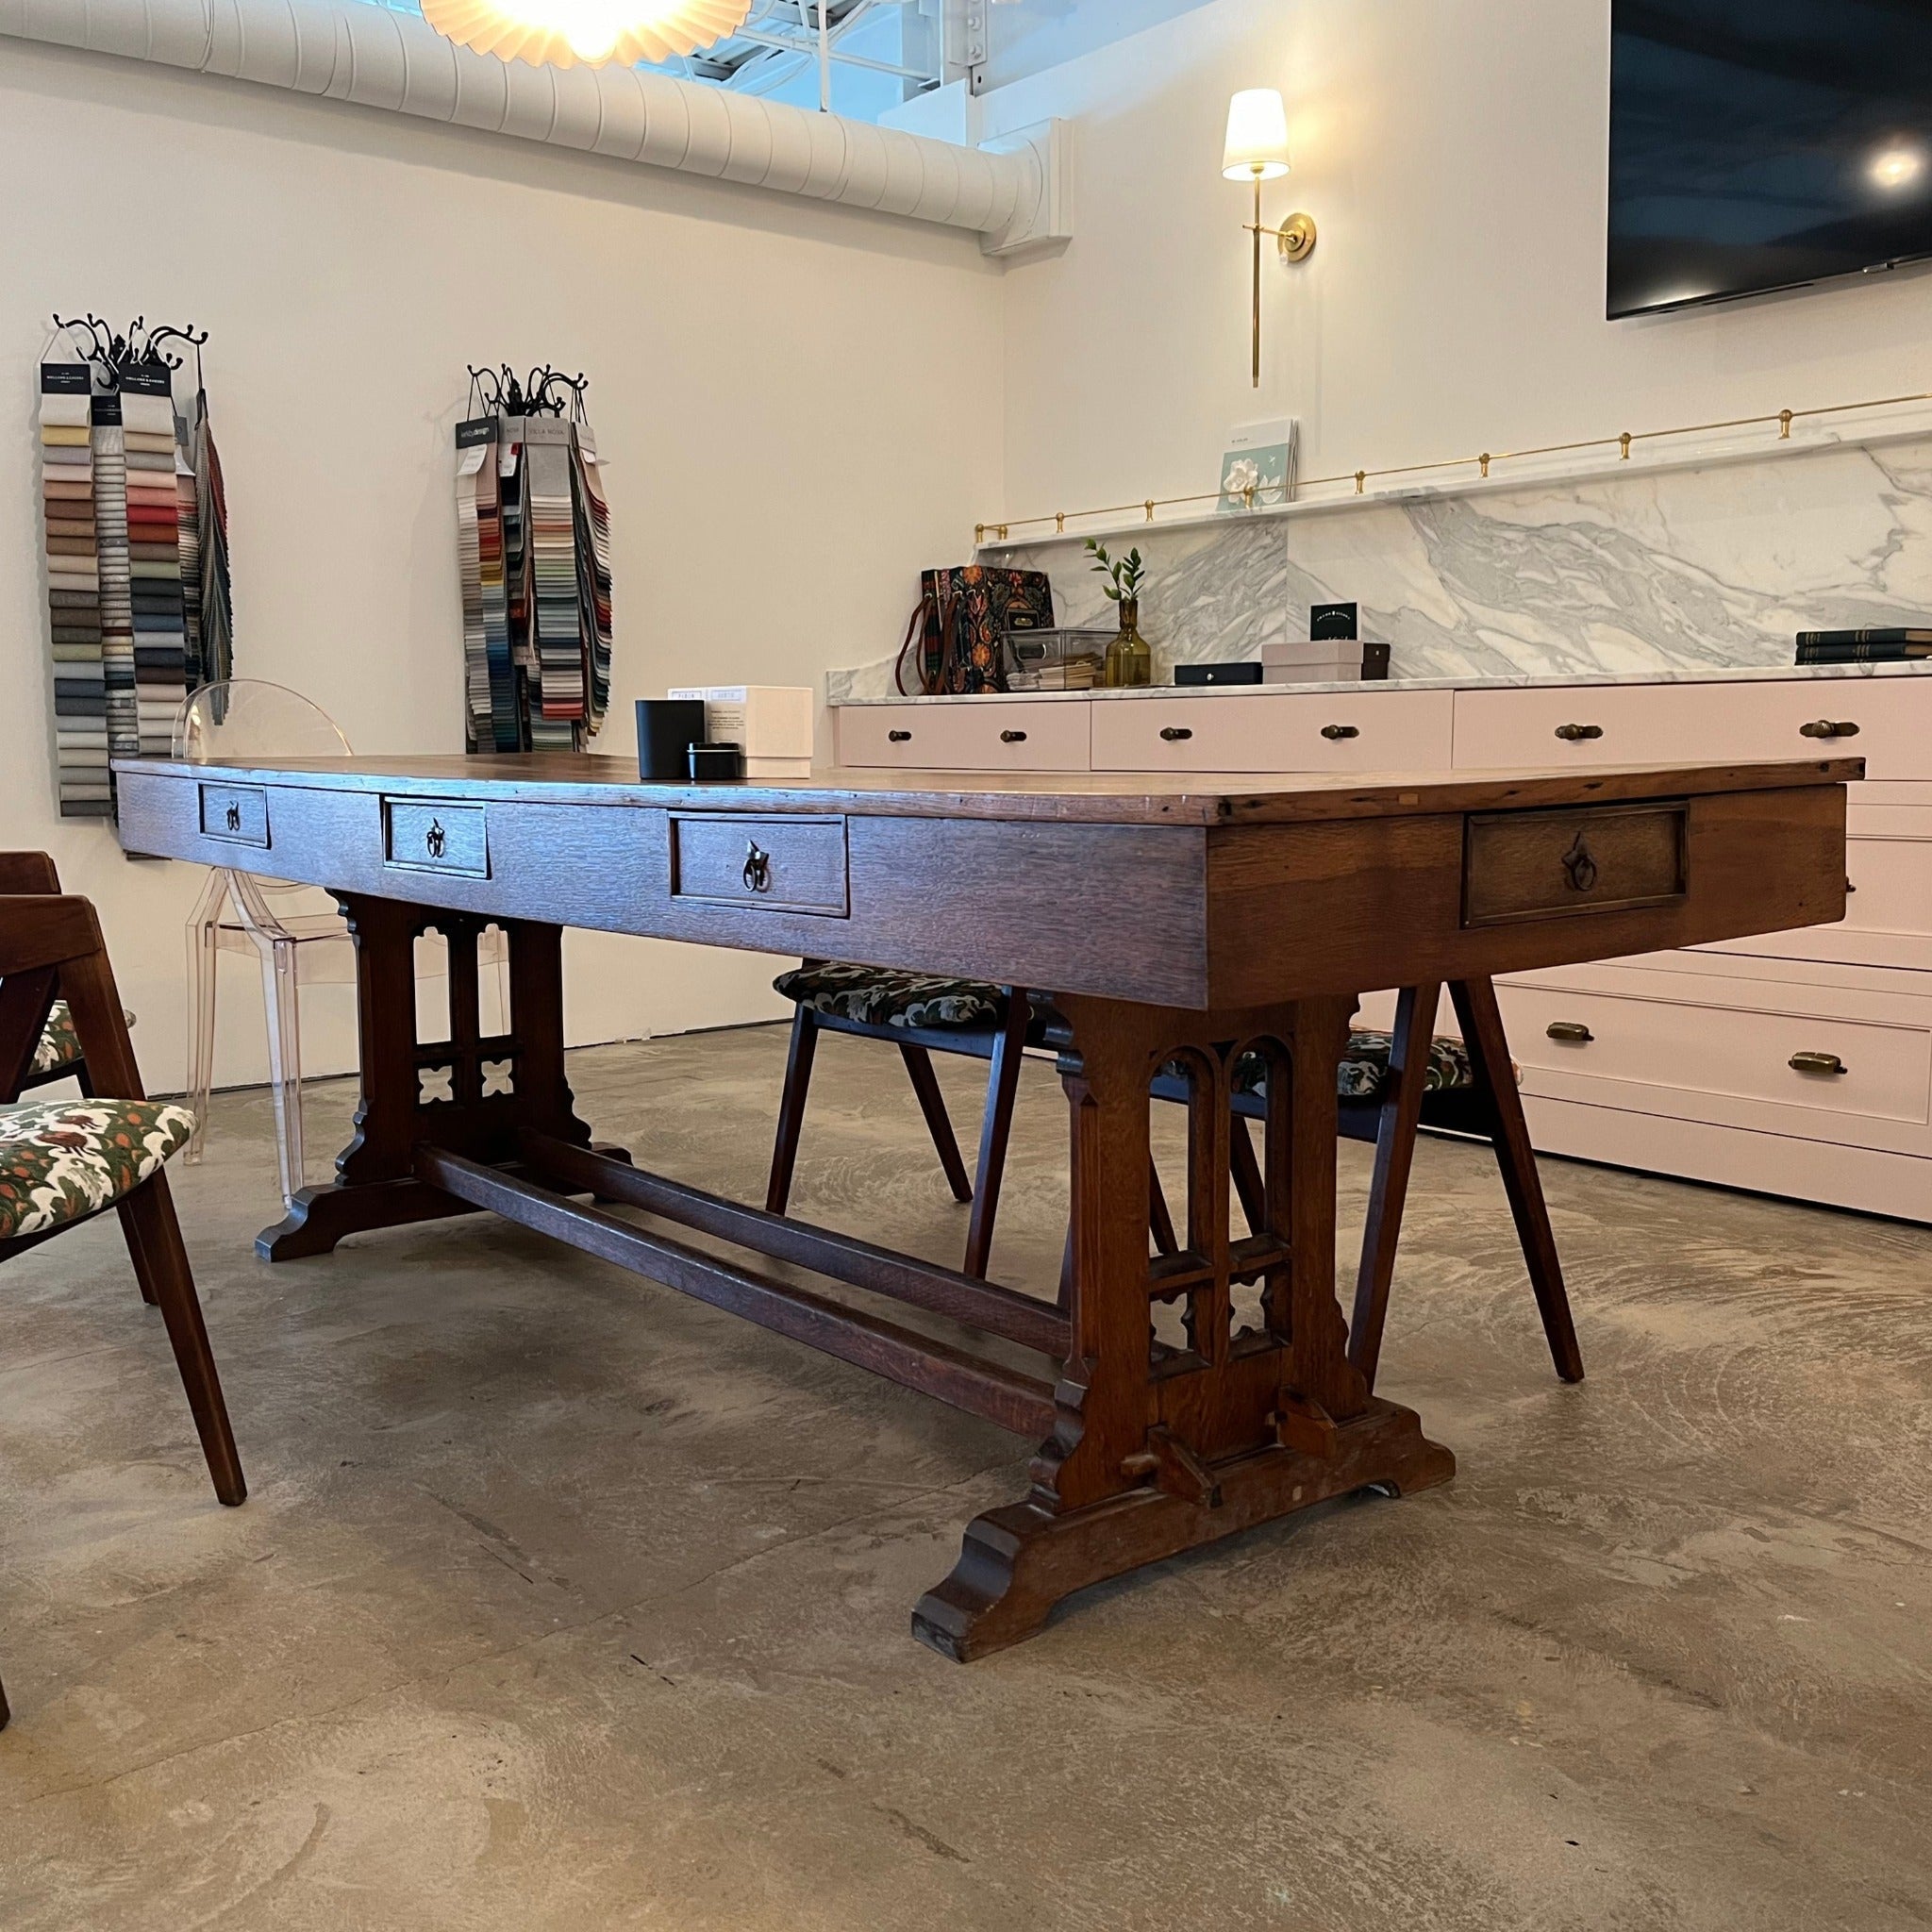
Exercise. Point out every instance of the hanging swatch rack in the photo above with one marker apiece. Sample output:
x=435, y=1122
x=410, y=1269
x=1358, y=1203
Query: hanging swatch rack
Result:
x=135, y=531
x=533, y=532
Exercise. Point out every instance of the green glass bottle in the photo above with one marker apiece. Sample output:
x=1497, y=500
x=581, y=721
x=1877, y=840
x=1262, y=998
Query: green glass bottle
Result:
x=1129, y=661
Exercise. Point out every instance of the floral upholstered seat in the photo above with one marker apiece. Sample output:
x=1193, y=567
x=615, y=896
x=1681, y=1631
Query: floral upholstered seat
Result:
x=62, y=1160
x=1363, y=1071
x=60, y=1045
x=1364, y=1068
x=874, y=996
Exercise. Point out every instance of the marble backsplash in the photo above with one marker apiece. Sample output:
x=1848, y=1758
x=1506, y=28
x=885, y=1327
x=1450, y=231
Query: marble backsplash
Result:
x=1648, y=571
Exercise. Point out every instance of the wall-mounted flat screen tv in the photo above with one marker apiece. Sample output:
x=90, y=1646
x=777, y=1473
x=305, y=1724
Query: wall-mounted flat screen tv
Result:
x=1758, y=144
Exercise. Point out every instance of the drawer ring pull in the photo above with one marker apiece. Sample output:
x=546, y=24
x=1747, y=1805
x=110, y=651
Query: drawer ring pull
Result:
x=1572, y=1030
x=758, y=868
x=1573, y=734
x=898, y=738
x=232, y=817
x=1012, y=738
x=1175, y=733
x=1828, y=727
x=1334, y=732
x=1579, y=867
x=1817, y=1063
x=435, y=840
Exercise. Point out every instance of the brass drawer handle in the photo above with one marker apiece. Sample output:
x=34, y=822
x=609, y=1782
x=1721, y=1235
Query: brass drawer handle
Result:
x=1817, y=1063
x=1012, y=738
x=1175, y=733
x=1335, y=732
x=1572, y=1030
x=1828, y=727
x=898, y=737
x=1579, y=865
x=758, y=868
x=1573, y=734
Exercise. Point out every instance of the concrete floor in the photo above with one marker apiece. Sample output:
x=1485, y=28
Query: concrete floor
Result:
x=562, y=1602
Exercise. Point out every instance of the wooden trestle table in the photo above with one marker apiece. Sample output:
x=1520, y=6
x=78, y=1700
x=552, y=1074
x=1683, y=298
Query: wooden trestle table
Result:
x=1194, y=919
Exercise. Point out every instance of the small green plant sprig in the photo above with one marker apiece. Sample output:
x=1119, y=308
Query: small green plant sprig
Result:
x=1124, y=577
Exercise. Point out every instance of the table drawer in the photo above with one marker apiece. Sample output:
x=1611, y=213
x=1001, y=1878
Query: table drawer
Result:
x=237, y=813
x=436, y=834
x=1851, y=1067
x=1317, y=731
x=1596, y=858
x=775, y=864
x=967, y=735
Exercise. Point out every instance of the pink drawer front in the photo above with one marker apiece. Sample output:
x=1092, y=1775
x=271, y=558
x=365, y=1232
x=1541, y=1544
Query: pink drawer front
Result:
x=1790, y=1058
x=1886, y=721
x=1314, y=731
x=967, y=735
x=1593, y=724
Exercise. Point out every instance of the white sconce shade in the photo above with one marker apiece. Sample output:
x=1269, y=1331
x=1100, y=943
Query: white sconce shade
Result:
x=1257, y=136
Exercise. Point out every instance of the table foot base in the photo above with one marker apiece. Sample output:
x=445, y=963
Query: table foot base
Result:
x=318, y=1218
x=1018, y=1562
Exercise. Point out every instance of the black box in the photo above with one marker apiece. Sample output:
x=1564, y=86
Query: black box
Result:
x=1217, y=674
x=1333, y=620
x=667, y=728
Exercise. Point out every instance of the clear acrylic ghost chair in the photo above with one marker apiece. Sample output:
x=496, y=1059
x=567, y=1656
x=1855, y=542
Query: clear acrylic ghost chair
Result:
x=294, y=933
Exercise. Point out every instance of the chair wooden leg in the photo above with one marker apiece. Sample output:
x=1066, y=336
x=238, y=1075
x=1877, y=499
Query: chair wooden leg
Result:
x=155, y=1244
x=1250, y=1189
x=1159, y=1220
x=805, y=1040
x=143, y=1267
x=1395, y=1131
x=995, y=1130
x=932, y=1105
x=1482, y=1030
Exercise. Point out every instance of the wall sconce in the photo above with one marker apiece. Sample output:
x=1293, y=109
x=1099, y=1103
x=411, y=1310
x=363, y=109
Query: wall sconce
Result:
x=1256, y=151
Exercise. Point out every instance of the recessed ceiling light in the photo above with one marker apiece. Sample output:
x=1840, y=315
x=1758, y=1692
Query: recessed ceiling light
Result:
x=1897, y=167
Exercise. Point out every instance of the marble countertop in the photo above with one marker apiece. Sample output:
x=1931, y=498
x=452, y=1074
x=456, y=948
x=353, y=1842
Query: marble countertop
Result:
x=1697, y=674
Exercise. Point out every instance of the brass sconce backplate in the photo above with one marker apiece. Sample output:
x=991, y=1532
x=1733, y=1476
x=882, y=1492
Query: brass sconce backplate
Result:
x=1296, y=238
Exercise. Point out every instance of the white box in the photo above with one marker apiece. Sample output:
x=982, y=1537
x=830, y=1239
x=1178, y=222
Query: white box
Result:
x=778, y=769
x=764, y=721
x=1314, y=671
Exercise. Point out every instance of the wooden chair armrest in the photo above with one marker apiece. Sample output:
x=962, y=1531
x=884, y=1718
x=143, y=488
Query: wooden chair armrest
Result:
x=28, y=872
x=49, y=945
x=38, y=929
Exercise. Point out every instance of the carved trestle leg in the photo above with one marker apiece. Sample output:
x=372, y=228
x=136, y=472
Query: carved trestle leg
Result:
x=473, y=1094
x=1159, y=1448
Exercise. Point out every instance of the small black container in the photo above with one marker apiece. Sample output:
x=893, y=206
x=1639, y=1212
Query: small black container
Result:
x=710, y=763
x=1217, y=674
x=666, y=729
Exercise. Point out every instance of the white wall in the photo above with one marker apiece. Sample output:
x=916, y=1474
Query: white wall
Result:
x=772, y=381
x=1453, y=153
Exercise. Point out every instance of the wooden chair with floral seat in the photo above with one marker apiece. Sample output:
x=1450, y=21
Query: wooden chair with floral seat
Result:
x=65, y=1162
x=56, y=1054
x=1389, y=1085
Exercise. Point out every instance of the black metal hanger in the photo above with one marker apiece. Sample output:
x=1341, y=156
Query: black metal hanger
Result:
x=115, y=355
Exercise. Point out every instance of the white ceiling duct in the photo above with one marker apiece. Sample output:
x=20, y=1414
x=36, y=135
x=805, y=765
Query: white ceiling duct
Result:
x=344, y=50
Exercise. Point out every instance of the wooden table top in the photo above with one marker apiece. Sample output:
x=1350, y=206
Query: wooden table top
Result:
x=1080, y=797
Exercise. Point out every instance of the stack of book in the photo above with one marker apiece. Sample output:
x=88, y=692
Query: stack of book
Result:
x=1896, y=646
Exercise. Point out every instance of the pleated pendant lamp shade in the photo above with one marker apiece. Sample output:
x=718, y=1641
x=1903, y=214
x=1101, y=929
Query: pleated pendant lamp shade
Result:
x=561, y=33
